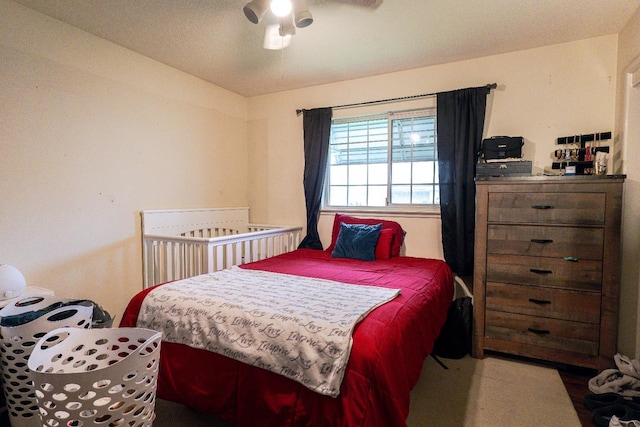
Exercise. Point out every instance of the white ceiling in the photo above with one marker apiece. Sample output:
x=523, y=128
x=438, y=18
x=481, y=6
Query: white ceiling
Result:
x=213, y=40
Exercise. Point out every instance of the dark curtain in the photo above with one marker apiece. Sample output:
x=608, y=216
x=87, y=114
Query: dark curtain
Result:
x=460, y=123
x=317, y=128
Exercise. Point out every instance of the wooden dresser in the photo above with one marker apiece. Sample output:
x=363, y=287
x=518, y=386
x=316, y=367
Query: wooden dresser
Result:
x=547, y=268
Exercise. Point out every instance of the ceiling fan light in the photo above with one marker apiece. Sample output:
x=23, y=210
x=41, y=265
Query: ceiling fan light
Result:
x=255, y=10
x=303, y=19
x=281, y=7
x=301, y=15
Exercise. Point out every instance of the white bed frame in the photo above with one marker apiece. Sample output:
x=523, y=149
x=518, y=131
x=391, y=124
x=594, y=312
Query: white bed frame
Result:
x=177, y=244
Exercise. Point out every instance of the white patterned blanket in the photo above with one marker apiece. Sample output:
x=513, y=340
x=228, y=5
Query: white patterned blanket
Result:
x=294, y=326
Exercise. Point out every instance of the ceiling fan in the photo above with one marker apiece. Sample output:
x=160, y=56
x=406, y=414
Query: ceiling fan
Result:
x=287, y=15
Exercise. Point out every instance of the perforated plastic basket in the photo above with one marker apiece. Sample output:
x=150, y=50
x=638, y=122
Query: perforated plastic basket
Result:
x=86, y=377
x=18, y=342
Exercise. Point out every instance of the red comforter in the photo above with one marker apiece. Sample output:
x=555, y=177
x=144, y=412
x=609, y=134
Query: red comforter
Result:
x=389, y=347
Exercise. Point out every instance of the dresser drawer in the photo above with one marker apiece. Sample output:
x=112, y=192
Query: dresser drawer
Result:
x=547, y=208
x=546, y=276
x=542, y=271
x=544, y=302
x=556, y=334
x=540, y=240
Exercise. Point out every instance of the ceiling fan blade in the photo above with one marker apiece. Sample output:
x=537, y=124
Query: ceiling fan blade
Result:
x=372, y=4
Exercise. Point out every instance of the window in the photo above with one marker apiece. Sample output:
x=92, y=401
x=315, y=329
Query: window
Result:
x=383, y=160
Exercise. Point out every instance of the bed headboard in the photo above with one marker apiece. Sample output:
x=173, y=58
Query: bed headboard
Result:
x=175, y=222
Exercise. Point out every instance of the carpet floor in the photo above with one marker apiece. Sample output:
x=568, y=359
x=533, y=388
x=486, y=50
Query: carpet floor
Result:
x=470, y=393
x=490, y=392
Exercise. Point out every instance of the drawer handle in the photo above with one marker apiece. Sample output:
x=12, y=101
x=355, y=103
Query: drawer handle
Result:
x=537, y=271
x=539, y=331
x=543, y=207
x=542, y=241
x=539, y=301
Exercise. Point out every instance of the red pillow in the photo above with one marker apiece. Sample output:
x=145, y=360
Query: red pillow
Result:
x=396, y=239
x=383, y=247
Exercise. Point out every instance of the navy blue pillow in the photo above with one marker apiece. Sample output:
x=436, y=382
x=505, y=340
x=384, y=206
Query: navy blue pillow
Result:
x=357, y=241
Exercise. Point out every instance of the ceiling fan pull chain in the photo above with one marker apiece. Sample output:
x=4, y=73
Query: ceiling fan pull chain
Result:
x=282, y=61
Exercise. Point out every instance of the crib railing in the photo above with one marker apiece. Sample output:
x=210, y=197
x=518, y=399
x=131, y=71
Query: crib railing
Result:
x=168, y=258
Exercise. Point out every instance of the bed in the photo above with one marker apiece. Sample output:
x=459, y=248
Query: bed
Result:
x=388, y=345
x=180, y=243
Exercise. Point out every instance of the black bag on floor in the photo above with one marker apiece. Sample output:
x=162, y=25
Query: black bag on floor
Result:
x=454, y=341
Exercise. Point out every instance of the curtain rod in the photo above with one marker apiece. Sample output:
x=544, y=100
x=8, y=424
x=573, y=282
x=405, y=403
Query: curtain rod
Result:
x=384, y=101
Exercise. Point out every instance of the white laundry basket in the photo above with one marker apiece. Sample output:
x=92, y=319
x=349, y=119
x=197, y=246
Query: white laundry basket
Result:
x=87, y=377
x=18, y=342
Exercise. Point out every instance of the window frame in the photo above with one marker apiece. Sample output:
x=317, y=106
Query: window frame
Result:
x=390, y=116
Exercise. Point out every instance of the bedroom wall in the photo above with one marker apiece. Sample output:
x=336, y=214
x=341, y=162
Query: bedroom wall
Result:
x=91, y=134
x=542, y=94
x=628, y=138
